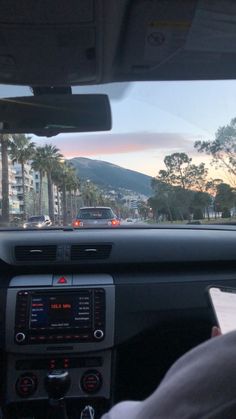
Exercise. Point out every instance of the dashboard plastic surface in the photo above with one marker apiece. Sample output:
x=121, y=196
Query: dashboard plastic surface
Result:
x=158, y=273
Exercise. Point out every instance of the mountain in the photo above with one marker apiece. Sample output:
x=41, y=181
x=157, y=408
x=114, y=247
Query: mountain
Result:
x=111, y=176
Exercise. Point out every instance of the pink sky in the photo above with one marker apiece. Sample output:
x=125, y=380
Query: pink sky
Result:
x=142, y=151
x=90, y=145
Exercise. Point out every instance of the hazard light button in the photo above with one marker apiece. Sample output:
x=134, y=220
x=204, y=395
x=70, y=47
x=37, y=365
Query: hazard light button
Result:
x=62, y=280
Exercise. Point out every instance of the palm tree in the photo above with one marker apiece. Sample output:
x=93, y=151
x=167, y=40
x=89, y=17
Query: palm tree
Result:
x=72, y=185
x=90, y=194
x=57, y=178
x=52, y=158
x=39, y=165
x=21, y=151
x=4, y=141
x=65, y=179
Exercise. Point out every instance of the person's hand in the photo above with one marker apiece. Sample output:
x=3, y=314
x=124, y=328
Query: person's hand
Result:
x=215, y=331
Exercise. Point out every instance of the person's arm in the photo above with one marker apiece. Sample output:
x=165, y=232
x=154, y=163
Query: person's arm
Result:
x=134, y=409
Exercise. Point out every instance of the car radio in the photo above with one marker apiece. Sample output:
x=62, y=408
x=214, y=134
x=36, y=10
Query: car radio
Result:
x=60, y=316
x=49, y=317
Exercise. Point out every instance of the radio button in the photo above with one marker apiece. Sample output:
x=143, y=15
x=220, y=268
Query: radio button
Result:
x=59, y=337
x=91, y=382
x=62, y=280
x=20, y=337
x=98, y=334
x=26, y=385
x=85, y=336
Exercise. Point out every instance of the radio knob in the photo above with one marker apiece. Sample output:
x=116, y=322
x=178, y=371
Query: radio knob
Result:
x=91, y=381
x=20, y=337
x=26, y=385
x=98, y=334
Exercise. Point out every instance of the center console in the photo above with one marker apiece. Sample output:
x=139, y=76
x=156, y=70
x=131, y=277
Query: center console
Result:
x=59, y=323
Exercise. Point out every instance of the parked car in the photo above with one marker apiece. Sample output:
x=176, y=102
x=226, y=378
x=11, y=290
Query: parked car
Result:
x=96, y=217
x=38, y=221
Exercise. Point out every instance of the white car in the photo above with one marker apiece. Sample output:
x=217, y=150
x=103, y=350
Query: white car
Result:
x=38, y=221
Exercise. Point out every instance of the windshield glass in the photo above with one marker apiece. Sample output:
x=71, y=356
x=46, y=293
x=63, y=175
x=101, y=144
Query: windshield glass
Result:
x=35, y=219
x=170, y=158
x=95, y=213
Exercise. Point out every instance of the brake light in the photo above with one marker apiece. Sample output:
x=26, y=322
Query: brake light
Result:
x=77, y=223
x=115, y=222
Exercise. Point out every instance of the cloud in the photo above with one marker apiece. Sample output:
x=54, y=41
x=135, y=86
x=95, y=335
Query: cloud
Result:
x=86, y=145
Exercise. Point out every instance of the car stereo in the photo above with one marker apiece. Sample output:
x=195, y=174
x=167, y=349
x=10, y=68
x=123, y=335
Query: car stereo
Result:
x=60, y=316
x=44, y=316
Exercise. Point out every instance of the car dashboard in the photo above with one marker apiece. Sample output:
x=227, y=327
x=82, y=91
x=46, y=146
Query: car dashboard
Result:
x=113, y=307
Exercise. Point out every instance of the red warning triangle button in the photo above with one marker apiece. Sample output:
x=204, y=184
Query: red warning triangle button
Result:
x=62, y=280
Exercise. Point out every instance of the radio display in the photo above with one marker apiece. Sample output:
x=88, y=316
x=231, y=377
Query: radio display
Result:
x=61, y=310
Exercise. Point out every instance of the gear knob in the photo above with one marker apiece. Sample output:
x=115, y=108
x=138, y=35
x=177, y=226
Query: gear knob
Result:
x=57, y=383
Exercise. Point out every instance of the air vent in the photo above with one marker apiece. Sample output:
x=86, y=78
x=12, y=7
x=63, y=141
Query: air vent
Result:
x=90, y=251
x=36, y=253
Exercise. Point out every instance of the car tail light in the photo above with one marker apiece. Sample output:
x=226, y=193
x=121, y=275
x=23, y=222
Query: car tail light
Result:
x=115, y=222
x=77, y=223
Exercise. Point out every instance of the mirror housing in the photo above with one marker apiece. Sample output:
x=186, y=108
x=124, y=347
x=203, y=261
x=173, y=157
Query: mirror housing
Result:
x=52, y=114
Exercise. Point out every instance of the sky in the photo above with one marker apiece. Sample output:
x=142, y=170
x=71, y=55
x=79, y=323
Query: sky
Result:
x=150, y=120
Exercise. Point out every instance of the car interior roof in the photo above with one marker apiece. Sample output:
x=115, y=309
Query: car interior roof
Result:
x=157, y=276
x=89, y=42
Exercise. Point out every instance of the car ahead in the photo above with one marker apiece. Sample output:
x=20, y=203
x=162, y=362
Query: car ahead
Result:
x=38, y=221
x=96, y=217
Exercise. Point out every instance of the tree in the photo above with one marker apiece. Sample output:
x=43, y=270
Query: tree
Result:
x=72, y=185
x=65, y=178
x=224, y=199
x=143, y=209
x=176, y=172
x=21, y=151
x=58, y=178
x=176, y=185
x=197, y=176
x=52, y=158
x=163, y=203
x=39, y=165
x=90, y=193
x=200, y=204
x=212, y=185
x=181, y=172
x=4, y=141
x=222, y=149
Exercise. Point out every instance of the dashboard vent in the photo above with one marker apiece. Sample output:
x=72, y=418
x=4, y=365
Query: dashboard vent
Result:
x=36, y=253
x=90, y=251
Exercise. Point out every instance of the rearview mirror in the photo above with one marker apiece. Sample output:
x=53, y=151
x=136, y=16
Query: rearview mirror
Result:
x=49, y=115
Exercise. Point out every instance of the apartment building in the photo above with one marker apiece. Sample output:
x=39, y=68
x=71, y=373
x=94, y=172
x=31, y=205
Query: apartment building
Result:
x=14, y=203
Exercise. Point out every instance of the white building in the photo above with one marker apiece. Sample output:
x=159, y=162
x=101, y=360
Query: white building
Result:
x=36, y=185
x=29, y=188
x=14, y=203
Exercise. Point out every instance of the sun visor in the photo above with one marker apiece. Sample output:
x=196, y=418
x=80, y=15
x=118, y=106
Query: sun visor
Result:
x=180, y=40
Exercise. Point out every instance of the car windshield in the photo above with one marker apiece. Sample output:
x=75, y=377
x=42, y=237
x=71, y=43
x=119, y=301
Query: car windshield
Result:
x=170, y=158
x=95, y=214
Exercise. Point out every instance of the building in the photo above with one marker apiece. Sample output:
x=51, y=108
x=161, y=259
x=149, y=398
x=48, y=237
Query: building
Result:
x=29, y=189
x=14, y=203
x=36, y=185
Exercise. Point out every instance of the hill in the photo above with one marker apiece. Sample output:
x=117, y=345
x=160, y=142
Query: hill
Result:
x=111, y=176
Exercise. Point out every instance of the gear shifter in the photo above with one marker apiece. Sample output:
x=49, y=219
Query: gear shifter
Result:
x=57, y=383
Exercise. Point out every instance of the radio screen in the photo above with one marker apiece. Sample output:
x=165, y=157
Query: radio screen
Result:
x=61, y=310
